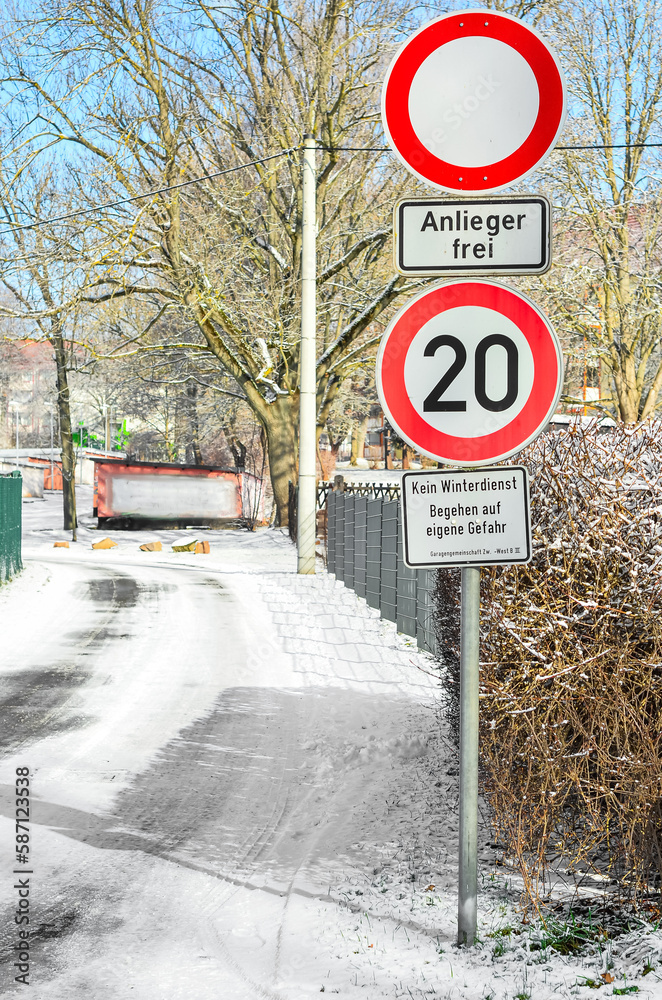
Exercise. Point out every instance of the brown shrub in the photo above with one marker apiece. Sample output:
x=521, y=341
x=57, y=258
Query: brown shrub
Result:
x=571, y=671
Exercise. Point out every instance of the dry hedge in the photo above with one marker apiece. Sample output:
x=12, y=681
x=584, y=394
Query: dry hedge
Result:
x=571, y=664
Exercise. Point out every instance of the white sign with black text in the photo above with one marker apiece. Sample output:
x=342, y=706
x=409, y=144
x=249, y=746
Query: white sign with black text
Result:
x=468, y=517
x=482, y=236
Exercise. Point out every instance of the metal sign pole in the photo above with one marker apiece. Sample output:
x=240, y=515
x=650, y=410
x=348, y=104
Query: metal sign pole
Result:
x=306, y=515
x=52, y=455
x=469, y=660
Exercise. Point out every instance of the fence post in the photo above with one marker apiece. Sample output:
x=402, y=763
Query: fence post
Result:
x=331, y=531
x=373, y=552
x=360, y=544
x=407, y=583
x=389, y=573
x=425, y=636
x=341, y=499
x=350, y=507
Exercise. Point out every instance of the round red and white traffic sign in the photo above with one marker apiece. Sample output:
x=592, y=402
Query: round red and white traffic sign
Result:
x=473, y=101
x=469, y=372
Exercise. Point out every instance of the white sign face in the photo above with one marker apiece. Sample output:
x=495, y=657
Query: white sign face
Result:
x=490, y=104
x=476, y=517
x=492, y=343
x=485, y=236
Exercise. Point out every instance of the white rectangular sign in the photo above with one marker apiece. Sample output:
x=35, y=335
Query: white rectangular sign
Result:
x=478, y=236
x=472, y=517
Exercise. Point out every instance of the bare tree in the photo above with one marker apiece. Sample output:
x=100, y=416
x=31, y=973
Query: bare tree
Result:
x=40, y=270
x=605, y=287
x=163, y=96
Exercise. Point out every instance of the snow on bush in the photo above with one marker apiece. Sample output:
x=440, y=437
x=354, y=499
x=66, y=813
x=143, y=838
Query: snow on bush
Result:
x=571, y=664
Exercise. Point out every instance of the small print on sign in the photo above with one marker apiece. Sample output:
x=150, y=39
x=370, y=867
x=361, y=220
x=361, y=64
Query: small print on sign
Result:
x=474, y=517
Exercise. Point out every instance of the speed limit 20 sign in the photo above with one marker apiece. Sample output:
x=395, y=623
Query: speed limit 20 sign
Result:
x=469, y=372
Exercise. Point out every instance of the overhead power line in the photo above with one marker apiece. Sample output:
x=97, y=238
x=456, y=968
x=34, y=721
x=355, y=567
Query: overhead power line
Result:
x=37, y=223
x=387, y=149
x=616, y=145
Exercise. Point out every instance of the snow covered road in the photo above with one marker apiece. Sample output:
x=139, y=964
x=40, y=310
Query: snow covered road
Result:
x=212, y=742
x=103, y=655
x=241, y=787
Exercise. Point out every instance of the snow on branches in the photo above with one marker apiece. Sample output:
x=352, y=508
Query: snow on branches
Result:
x=571, y=664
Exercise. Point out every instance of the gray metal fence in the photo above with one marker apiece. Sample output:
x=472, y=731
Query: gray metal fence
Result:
x=364, y=550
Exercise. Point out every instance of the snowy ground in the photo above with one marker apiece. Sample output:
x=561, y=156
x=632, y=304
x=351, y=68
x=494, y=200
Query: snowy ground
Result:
x=242, y=789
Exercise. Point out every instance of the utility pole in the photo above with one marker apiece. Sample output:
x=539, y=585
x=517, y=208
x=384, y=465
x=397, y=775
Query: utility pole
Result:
x=306, y=515
x=51, y=407
x=106, y=414
x=467, y=908
x=13, y=404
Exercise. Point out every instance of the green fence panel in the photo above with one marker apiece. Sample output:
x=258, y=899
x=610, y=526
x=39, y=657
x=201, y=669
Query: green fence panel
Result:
x=11, y=493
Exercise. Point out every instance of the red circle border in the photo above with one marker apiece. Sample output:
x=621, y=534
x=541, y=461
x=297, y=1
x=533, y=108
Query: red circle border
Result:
x=535, y=147
x=547, y=380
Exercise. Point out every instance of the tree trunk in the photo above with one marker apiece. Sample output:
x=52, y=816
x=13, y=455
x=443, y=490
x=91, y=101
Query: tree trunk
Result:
x=193, y=454
x=236, y=446
x=388, y=447
x=238, y=449
x=358, y=440
x=66, y=442
x=651, y=397
x=327, y=461
x=627, y=394
x=281, y=424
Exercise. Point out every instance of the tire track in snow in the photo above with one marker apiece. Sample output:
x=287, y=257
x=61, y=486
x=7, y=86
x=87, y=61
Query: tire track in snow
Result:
x=41, y=700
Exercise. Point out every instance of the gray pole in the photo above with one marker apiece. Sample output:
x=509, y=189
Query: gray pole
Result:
x=469, y=661
x=106, y=418
x=80, y=441
x=52, y=455
x=306, y=517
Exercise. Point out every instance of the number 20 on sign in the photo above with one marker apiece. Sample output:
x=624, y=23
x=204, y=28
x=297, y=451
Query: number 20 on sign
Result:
x=469, y=372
